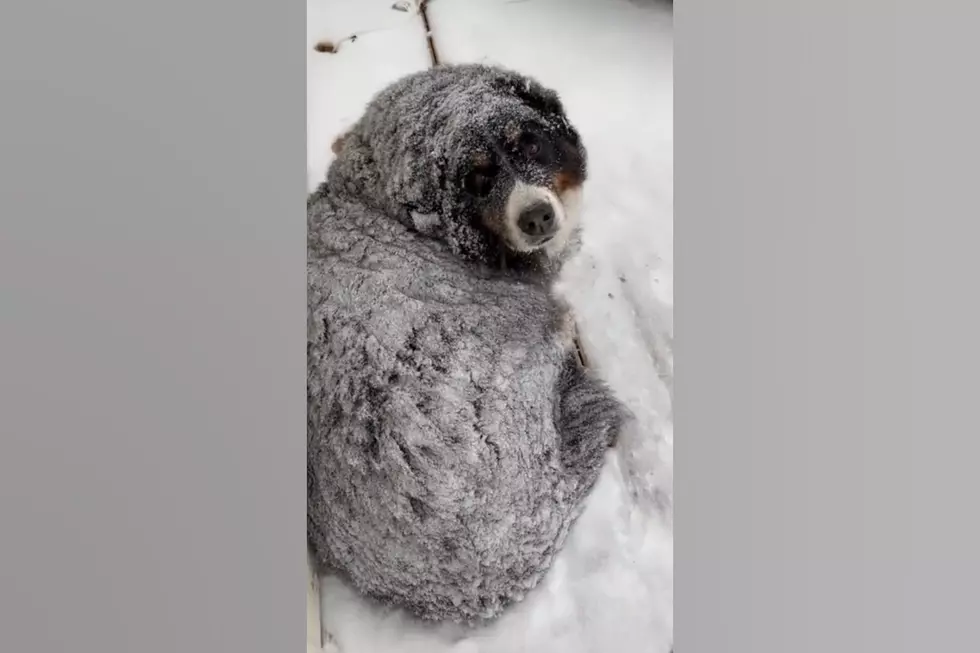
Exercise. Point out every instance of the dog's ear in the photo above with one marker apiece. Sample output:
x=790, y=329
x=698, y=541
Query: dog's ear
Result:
x=542, y=100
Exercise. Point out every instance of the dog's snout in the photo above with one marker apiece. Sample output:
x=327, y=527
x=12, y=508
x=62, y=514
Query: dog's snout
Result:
x=538, y=220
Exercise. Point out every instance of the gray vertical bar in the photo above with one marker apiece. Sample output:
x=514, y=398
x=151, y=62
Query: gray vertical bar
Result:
x=151, y=325
x=826, y=428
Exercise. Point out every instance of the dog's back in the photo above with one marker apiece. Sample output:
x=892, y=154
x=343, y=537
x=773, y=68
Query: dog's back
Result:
x=451, y=434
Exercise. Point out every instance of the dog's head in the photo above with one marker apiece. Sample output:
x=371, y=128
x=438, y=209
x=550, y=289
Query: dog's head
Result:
x=480, y=157
x=519, y=170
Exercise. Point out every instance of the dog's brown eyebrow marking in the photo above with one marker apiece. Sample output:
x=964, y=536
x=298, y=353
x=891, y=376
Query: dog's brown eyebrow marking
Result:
x=565, y=180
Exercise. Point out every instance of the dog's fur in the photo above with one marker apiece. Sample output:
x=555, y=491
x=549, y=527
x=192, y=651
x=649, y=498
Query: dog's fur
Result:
x=452, y=433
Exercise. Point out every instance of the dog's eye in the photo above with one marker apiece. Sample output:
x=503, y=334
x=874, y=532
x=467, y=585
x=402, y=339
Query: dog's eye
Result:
x=480, y=181
x=535, y=149
x=530, y=145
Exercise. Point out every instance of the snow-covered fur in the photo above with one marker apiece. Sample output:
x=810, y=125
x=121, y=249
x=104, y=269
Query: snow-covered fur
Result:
x=452, y=433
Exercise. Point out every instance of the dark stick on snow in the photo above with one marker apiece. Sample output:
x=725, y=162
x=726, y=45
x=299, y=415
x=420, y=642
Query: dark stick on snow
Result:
x=579, y=350
x=433, y=55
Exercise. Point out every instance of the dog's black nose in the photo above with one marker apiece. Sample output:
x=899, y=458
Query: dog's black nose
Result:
x=537, y=220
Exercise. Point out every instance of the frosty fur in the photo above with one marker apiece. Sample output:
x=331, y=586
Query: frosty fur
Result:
x=452, y=434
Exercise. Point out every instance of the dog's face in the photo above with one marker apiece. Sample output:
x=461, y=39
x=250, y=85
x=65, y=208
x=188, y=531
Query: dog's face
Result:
x=521, y=178
x=479, y=157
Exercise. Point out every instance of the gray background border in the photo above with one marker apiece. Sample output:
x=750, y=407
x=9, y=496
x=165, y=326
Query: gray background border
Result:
x=827, y=329
x=152, y=284
x=152, y=287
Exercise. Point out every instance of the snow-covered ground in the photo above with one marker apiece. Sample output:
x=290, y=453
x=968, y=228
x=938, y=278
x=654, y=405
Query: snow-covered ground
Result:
x=375, y=46
x=611, y=589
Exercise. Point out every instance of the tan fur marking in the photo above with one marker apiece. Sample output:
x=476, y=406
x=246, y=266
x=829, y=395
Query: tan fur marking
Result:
x=565, y=181
x=494, y=222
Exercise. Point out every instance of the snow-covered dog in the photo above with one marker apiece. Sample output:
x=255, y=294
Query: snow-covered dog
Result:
x=453, y=434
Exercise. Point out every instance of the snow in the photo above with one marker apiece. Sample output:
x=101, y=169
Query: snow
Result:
x=612, y=62
x=389, y=44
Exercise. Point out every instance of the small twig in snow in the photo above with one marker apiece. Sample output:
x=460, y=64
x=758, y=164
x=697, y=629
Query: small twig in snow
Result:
x=333, y=47
x=433, y=55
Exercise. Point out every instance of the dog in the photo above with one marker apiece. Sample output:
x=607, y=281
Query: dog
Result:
x=452, y=432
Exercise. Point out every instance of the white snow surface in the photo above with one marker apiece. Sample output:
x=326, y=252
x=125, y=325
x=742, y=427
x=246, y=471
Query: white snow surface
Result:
x=389, y=44
x=611, y=588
